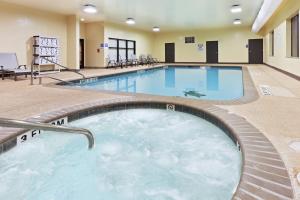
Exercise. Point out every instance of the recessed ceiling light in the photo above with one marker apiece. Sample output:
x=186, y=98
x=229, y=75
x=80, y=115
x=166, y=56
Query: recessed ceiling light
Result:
x=82, y=19
x=237, y=22
x=156, y=29
x=130, y=21
x=236, y=9
x=89, y=8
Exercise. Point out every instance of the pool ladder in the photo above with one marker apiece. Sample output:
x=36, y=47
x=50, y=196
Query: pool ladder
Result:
x=12, y=123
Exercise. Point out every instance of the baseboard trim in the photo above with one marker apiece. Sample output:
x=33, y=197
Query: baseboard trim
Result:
x=205, y=63
x=91, y=67
x=284, y=72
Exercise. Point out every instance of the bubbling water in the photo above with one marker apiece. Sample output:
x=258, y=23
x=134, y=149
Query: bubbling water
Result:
x=139, y=154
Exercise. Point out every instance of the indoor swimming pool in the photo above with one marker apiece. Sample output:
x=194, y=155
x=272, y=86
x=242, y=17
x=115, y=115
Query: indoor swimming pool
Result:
x=210, y=83
x=137, y=156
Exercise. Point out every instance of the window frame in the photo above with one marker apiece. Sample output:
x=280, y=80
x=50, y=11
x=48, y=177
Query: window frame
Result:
x=189, y=40
x=272, y=43
x=126, y=48
x=295, y=54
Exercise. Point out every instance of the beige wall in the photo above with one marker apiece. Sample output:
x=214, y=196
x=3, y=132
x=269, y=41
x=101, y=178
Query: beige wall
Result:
x=144, y=40
x=96, y=33
x=278, y=23
x=18, y=25
x=94, y=36
x=73, y=35
x=232, y=44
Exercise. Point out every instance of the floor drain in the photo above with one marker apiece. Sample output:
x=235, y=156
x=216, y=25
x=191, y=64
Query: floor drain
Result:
x=295, y=146
x=265, y=90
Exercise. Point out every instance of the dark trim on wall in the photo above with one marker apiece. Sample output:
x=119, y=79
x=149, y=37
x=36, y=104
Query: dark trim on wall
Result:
x=237, y=63
x=284, y=72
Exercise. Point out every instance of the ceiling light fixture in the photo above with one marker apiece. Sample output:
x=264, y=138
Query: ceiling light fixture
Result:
x=236, y=9
x=237, y=22
x=156, y=29
x=82, y=19
x=89, y=8
x=130, y=21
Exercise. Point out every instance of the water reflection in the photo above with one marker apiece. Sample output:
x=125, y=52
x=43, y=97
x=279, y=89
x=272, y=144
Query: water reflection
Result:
x=126, y=85
x=212, y=79
x=170, y=78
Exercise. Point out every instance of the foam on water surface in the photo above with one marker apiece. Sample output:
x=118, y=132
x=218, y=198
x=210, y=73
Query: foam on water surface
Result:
x=140, y=154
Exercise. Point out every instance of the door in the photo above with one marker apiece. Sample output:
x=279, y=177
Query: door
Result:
x=255, y=49
x=212, y=51
x=81, y=53
x=170, y=52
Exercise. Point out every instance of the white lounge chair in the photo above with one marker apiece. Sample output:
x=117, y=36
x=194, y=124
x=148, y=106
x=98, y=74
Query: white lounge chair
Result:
x=9, y=65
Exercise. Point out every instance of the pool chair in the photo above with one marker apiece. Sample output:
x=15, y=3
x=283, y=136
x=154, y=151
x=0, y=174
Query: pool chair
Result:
x=9, y=65
x=134, y=61
x=143, y=60
x=129, y=62
x=111, y=63
x=152, y=60
x=123, y=62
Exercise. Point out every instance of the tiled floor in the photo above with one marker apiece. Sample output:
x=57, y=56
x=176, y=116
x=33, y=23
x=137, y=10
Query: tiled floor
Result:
x=277, y=116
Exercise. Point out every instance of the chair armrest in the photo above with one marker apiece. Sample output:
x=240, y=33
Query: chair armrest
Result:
x=22, y=66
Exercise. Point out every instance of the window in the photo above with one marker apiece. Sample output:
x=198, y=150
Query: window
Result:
x=271, y=42
x=295, y=36
x=113, y=49
x=189, y=40
x=120, y=49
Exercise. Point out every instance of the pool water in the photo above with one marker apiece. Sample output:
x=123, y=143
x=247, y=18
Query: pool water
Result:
x=140, y=154
x=211, y=83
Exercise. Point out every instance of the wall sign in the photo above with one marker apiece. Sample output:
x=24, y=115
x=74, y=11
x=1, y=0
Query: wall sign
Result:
x=34, y=133
x=103, y=45
x=200, y=47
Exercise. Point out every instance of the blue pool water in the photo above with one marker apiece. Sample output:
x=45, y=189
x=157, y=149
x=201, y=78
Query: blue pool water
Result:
x=138, y=156
x=212, y=83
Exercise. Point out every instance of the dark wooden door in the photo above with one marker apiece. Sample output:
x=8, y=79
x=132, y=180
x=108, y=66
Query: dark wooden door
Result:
x=81, y=53
x=169, y=52
x=255, y=49
x=212, y=51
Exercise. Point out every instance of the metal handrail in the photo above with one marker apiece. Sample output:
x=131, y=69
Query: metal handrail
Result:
x=68, y=69
x=12, y=123
x=57, y=79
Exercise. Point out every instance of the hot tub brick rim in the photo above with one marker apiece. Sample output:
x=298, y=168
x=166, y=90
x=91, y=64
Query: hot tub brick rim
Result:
x=214, y=114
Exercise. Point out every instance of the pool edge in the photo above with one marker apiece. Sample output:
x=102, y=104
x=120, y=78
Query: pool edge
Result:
x=250, y=93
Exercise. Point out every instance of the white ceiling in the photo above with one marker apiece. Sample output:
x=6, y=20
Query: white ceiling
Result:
x=168, y=14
